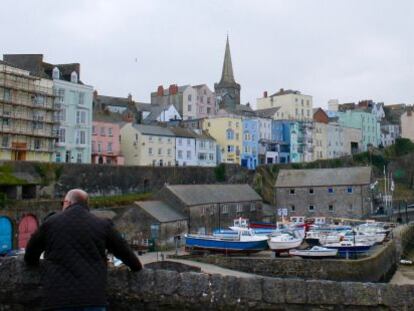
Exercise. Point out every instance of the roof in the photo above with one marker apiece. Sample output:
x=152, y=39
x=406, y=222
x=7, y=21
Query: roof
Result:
x=267, y=113
x=183, y=132
x=153, y=130
x=192, y=195
x=155, y=111
x=106, y=116
x=324, y=177
x=161, y=211
x=285, y=92
x=227, y=75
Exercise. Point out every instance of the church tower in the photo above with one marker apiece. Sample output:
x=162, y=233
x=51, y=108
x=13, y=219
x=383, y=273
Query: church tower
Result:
x=227, y=90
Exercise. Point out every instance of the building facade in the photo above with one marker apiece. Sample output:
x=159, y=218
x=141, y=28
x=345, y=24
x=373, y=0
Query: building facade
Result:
x=340, y=192
x=389, y=133
x=28, y=127
x=293, y=105
x=206, y=149
x=185, y=147
x=228, y=133
x=251, y=137
x=147, y=145
x=106, y=145
x=407, y=124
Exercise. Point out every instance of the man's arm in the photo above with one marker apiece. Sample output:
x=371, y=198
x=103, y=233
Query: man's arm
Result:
x=35, y=247
x=120, y=249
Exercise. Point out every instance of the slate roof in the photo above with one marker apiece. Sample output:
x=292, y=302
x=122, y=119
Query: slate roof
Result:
x=183, y=132
x=153, y=130
x=106, y=116
x=324, y=177
x=192, y=195
x=267, y=113
x=284, y=92
x=161, y=211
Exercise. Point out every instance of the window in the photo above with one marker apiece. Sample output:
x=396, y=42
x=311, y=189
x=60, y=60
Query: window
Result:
x=211, y=156
x=81, y=98
x=237, y=124
x=62, y=135
x=291, y=191
x=180, y=154
x=188, y=154
x=5, y=141
x=237, y=136
x=103, y=133
x=169, y=151
x=189, y=99
x=292, y=208
x=311, y=191
x=149, y=138
x=159, y=151
x=180, y=141
x=239, y=208
x=350, y=207
x=110, y=131
x=200, y=109
x=330, y=190
x=189, y=108
x=252, y=207
x=160, y=139
x=79, y=158
x=311, y=208
x=93, y=130
x=230, y=148
x=224, y=209
x=230, y=134
x=330, y=208
x=229, y=123
x=99, y=146
x=61, y=95
x=58, y=157
x=80, y=137
x=7, y=95
x=37, y=143
x=150, y=151
x=349, y=190
x=109, y=147
x=81, y=117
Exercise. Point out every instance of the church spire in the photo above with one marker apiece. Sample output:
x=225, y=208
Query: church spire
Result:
x=227, y=74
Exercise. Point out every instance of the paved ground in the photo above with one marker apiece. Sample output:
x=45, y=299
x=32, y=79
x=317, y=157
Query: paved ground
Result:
x=404, y=273
x=207, y=268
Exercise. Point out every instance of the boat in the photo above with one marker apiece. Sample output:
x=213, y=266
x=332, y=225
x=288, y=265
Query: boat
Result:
x=259, y=228
x=364, y=237
x=314, y=252
x=243, y=242
x=348, y=248
x=283, y=242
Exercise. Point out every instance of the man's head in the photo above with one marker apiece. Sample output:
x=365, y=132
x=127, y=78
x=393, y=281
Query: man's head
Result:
x=75, y=196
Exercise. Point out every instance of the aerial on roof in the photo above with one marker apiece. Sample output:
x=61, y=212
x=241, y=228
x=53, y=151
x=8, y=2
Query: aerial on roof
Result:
x=192, y=195
x=161, y=211
x=324, y=177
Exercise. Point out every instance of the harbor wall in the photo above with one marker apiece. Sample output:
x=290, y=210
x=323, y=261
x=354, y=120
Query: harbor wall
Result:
x=170, y=290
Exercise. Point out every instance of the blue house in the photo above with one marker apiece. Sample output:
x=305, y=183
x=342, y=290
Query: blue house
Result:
x=250, y=151
x=287, y=134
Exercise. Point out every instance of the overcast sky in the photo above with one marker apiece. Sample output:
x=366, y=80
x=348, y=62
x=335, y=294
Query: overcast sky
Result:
x=349, y=50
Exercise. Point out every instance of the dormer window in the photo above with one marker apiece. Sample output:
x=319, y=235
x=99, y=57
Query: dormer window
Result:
x=56, y=73
x=74, y=77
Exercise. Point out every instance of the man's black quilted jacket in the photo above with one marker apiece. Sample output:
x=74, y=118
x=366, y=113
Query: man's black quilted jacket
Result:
x=74, y=242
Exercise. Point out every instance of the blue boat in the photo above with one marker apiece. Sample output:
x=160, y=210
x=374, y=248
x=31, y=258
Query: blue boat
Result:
x=245, y=242
x=347, y=248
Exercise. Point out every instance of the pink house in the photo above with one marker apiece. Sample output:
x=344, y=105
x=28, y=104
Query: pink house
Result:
x=106, y=147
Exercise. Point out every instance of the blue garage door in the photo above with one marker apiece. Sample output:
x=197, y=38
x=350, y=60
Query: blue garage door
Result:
x=5, y=235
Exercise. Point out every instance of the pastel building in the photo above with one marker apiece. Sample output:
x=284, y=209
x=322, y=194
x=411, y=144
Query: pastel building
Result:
x=251, y=136
x=227, y=131
x=206, y=149
x=147, y=145
x=73, y=101
x=287, y=132
x=185, y=147
x=293, y=105
x=106, y=145
x=389, y=133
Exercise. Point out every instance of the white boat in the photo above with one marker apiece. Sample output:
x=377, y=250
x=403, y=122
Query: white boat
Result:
x=322, y=237
x=314, y=252
x=364, y=237
x=283, y=242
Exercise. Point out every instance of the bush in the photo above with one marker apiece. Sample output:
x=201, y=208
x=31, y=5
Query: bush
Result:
x=220, y=172
x=403, y=146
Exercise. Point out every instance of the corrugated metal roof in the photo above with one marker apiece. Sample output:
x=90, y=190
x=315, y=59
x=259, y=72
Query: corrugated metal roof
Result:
x=324, y=177
x=153, y=130
x=160, y=211
x=215, y=193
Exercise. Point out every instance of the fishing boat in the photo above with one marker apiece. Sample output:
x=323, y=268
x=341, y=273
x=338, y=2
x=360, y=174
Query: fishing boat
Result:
x=243, y=242
x=349, y=248
x=314, y=252
x=364, y=237
x=283, y=242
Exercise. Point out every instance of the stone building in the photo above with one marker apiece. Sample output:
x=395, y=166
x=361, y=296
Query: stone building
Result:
x=227, y=90
x=331, y=192
x=213, y=206
x=28, y=126
x=157, y=220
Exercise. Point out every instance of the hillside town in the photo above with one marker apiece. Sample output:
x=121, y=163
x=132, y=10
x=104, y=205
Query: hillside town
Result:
x=50, y=114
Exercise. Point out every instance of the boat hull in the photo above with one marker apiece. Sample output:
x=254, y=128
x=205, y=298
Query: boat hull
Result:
x=314, y=254
x=343, y=251
x=224, y=246
x=283, y=246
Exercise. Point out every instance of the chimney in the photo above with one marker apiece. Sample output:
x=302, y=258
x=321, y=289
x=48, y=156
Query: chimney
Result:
x=265, y=94
x=95, y=94
x=173, y=89
x=129, y=97
x=282, y=90
x=160, y=91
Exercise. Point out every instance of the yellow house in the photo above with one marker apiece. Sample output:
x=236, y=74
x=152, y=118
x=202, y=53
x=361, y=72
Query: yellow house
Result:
x=227, y=131
x=147, y=145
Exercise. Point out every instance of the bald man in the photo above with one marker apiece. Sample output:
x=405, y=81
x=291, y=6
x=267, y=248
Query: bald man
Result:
x=75, y=243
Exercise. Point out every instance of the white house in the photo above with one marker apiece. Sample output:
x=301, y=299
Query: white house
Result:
x=158, y=113
x=185, y=147
x=206, y=149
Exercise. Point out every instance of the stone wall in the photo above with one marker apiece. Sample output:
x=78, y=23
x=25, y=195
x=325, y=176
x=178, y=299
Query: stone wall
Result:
x=111, y=179
x=170, y=290
x=371, y=269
